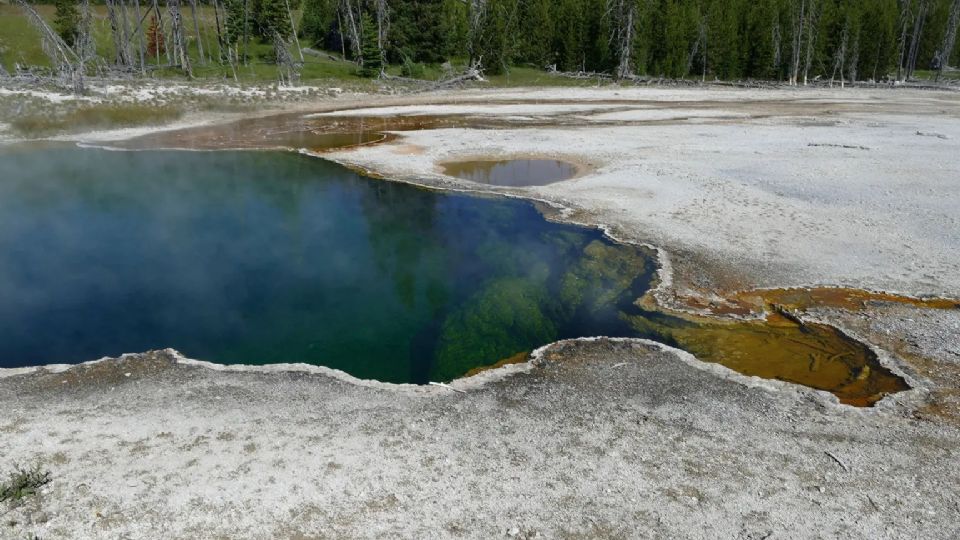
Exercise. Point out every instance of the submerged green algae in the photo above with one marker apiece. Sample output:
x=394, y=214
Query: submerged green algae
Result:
x=262, y=258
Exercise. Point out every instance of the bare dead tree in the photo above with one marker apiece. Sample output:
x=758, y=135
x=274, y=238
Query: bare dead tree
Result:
x=854, y=59
x=383, y=26
x=65, y=60
x=216, y=19
x=949, y=37
x=127, y=34
x=840, y=55
x=918, y=24
x=140, y=45
x=287, y=69
x=178, y=40
x=352, y=26
x=85, y=47
x=293, y=29
x=477, y=12
x=799, y=19
x=118, y=32
x=811, y=38
x=623, y=15
x=246, y=29
x=777, y=39
x=700, y=43
x=904, y=23
x=196, y=30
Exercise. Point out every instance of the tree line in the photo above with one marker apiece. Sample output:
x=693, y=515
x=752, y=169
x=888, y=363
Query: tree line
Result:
x=790, y=40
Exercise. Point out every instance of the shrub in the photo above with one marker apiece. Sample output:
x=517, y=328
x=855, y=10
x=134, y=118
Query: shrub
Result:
x=23, y=483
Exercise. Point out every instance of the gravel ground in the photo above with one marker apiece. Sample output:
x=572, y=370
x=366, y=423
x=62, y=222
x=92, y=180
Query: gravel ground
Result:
x=602, y=440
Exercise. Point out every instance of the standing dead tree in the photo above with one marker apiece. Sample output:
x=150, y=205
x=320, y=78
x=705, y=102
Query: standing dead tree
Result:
x=811, y=38
x=68, y=64
x=949, y=37
x=477, y=10
x=196, y=30
x=141, y=47
x=352, y=16
x=293, y=29
x=909, y=63
x=840, y=56
x=623, y=15
x=699, y=48
x=288, y=70
x=804, y=19
x=383, y=26
x=798, y=19
x=178, y=41
x=118, y=30
x=216, y=20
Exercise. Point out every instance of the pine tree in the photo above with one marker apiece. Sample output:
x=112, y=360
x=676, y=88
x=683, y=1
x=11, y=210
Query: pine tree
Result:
x=418, y=31
x=67, y=21
x=271, y=18
x=371, y=64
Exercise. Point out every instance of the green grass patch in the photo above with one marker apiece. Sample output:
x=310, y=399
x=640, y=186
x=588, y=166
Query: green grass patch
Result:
x=94, y=117
x=927, y=75
x=23, y=483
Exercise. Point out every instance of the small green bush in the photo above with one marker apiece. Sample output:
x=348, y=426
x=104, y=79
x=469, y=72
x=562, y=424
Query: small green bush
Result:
x=23, y=483
x=411, y=69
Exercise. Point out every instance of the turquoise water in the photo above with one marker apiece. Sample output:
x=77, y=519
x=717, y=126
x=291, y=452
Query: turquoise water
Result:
x=268, y=257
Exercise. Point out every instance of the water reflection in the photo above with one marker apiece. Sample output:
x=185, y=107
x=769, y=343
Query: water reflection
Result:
x=512, y=173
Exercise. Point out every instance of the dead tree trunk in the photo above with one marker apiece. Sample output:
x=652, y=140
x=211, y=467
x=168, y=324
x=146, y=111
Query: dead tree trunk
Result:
x=117, y=31
x=288, y=73
x=776, y=38
x=127, y=34
x=293, y=30
x=353, y=28
x=216, y=20
x=64, y=59
x=950, y=37
x=246, y=32
x=918, y=25
x=85, y=46
x=478, y=10
x=196, y=30
x=181, y=58
x=840, y=55
x=799, y=19
x=902, y=42
x=140, y=44
x=383, y=26
x=623, y=18
x=854, y=61
x=811, y=38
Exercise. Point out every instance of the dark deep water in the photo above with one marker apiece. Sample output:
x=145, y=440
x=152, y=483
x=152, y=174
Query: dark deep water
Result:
x=272, y=257
x=268, y=257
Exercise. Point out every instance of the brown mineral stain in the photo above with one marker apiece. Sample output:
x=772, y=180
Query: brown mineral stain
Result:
x=518, y=358
x=757, y=301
